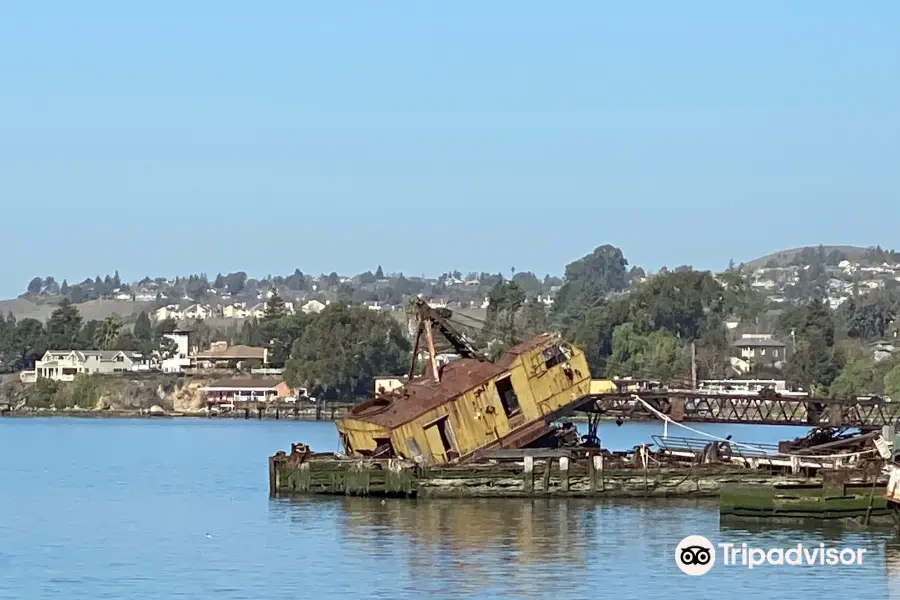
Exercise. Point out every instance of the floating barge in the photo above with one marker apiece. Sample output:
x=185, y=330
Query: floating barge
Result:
x=533, y=472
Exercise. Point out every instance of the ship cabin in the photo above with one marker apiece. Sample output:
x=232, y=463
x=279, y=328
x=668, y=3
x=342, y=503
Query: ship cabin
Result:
x=471, y=404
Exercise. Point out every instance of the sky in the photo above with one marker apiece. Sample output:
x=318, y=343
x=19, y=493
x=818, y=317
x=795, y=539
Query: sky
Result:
x=170, y=138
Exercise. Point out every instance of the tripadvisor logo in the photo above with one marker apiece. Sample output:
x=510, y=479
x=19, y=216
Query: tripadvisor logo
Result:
x=696, y=555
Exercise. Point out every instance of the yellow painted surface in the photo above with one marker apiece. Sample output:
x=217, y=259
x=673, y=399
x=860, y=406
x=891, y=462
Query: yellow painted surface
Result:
x=602, y=386
x=360, y=434
x=477, y=418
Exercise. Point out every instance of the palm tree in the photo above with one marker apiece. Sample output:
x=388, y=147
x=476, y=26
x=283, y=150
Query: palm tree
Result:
x=108, y=332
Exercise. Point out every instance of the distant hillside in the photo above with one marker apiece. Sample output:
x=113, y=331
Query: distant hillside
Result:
x=93, y=309
x=786, y=257
x=100, y=309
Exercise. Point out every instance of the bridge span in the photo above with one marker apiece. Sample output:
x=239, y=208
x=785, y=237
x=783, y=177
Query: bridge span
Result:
x=764, y=408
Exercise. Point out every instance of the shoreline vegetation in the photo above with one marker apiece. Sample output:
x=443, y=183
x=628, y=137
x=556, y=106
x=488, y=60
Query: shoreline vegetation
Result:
x=676, y=327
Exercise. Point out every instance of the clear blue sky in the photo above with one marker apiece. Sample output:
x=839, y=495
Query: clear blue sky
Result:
x=180, y=137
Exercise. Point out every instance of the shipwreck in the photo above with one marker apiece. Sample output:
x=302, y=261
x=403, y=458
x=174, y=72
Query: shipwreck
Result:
x=468, y=404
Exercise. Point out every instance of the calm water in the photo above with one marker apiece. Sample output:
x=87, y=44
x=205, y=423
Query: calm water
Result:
x=121, y=509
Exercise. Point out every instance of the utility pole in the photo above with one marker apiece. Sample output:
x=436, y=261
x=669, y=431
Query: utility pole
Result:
x=693, y=366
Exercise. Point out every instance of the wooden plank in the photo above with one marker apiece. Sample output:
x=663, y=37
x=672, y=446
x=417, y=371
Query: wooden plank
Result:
x=521, y=453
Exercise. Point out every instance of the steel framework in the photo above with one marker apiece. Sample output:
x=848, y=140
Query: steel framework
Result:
x=750, y=409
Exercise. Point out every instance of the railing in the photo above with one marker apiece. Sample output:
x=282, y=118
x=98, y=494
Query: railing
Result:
x=695, y=446
x=750, y=408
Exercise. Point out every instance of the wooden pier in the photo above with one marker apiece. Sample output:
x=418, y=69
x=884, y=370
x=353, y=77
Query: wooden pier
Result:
x=861, y=500
x=279, y=410
x=510, y=474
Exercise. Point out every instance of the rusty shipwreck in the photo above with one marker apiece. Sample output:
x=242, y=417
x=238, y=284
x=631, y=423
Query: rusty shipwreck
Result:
x=470, y=403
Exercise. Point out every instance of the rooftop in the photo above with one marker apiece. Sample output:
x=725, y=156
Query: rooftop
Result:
x=753, y=340
x=422, y=394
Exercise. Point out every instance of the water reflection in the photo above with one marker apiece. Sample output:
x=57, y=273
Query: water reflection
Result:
x=539, y=548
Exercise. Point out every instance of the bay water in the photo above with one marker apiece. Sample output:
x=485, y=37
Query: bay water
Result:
x=155, y=509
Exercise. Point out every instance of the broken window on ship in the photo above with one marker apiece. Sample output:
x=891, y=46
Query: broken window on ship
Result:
x=555, y=355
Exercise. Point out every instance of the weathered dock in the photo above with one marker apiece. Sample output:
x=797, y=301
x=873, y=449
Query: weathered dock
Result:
x=280, y=410
x=511, y=474
x=858, y=500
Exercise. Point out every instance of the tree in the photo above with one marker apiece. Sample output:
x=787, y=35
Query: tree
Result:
x=88, y=335
x=35, y=286
x=235, y=282
x=870, y=316
x=534, y=319
x=684, y=303
x=165, y=349
x=740, y=299
x=28, y=344
x=379, y=273
x=108, y=333
x=274, y=307
x=658, y=355
x=250, y=334
x=528, y=283
x=587, y=281
x=125, y=341
x=813, y=364
x=280, y=334
x=892, y=383
x=594, y=333
x=505, y=301
x=857, y=378
x=64, y=326
x=143, y=329
x=363, y=343
x=163, y=327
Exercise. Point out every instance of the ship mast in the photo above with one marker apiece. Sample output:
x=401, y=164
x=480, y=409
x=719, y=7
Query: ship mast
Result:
x=427, y=318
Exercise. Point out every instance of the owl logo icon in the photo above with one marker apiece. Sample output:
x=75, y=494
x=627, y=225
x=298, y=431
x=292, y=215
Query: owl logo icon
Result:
x=695, y=555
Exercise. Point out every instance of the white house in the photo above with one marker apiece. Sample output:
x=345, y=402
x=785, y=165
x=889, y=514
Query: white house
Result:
x=64, y=365
x=169, y=312
x=238, y=310
x=313, y=306
x=181, y=359
x=198, y=311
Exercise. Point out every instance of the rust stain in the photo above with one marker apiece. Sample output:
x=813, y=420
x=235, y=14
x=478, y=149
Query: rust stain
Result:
x=420, y=395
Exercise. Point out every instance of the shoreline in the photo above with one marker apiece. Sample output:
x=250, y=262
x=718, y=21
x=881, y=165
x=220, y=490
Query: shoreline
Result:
x=236, y=415
x=137, y=414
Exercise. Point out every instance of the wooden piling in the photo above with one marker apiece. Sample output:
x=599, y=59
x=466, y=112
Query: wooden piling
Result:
x=546, y=482
x=273, y=480
x=564, y=474
x=597, y=481
x=528, y=475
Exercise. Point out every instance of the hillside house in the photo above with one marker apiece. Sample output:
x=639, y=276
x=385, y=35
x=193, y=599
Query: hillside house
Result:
x=313, y=306
x=882, y=350
x=181, y=359
x=198, y=311
x=64, y=365
x=222, y=356
x=170, y=311
x=759, y=349
x=238, y=310
x=241, y=390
